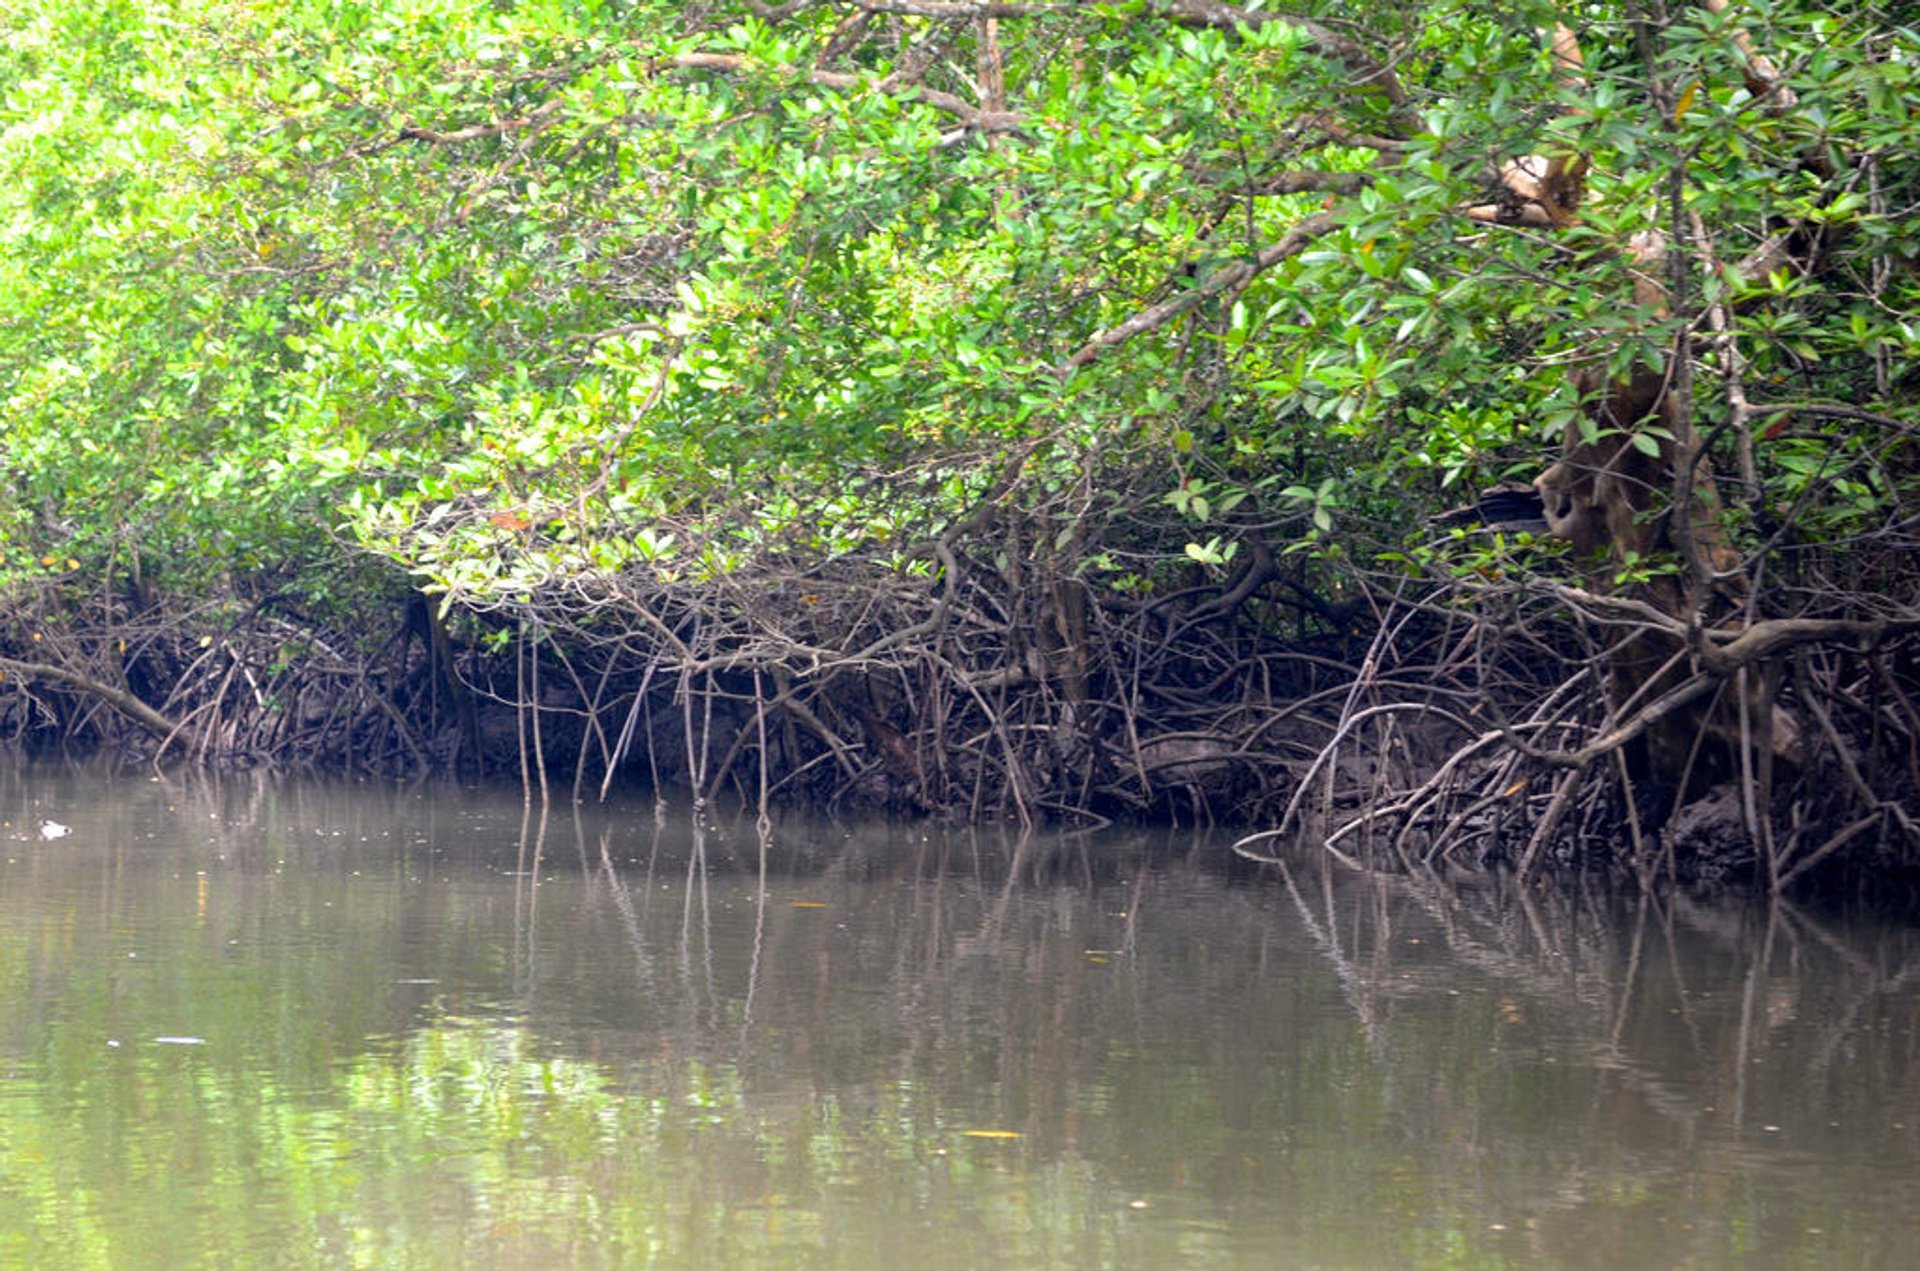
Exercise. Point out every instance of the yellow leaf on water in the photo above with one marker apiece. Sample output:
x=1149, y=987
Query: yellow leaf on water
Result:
x=809, y=904
x=992, y=1134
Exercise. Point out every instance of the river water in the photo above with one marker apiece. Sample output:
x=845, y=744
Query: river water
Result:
x=252, y=1023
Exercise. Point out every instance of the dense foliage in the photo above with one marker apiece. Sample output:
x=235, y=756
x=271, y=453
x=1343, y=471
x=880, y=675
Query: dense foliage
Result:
x=573, y=313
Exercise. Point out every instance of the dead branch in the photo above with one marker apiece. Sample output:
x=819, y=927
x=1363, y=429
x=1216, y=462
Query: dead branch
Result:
x=120, y=699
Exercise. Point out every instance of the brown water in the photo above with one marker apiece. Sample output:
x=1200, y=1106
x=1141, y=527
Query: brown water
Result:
x=287, y=1025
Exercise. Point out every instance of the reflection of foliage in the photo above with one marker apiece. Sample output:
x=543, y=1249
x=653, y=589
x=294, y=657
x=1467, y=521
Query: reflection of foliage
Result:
x=668, y=1071
x=460, y=1111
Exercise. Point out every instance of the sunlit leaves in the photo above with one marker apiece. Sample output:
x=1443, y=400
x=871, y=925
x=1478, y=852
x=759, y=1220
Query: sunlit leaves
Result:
x=686, y=271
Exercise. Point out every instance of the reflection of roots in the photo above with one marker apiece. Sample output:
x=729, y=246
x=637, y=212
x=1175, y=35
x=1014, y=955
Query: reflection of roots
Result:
x=1660, y=1010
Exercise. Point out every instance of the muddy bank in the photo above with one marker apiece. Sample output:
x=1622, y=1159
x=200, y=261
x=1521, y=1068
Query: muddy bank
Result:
x=1407, y=727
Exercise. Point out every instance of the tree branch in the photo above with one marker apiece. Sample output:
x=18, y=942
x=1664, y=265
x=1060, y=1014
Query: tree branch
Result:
x=1356, y=57
x=537, y=118
x=972, y=116
x=126, y=703
x=1764, y=639
x=1226, y=278
x=961, y=8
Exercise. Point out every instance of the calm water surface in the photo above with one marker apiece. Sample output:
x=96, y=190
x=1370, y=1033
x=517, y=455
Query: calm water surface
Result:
x=257, y=1024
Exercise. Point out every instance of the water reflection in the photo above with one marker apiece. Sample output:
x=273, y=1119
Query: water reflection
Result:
x=438, y=1029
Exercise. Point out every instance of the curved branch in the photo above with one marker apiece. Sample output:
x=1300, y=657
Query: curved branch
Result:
x=1764, y=639
x=118, y=698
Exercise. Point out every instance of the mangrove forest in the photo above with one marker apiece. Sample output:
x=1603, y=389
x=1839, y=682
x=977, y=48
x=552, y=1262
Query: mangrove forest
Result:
x=1449, y=435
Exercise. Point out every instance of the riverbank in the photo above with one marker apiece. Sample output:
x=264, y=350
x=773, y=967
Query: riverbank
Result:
x=1433, y=722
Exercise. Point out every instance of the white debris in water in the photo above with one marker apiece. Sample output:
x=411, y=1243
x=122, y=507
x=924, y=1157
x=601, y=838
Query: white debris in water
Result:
x=181, y=1041
x=54, y=830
